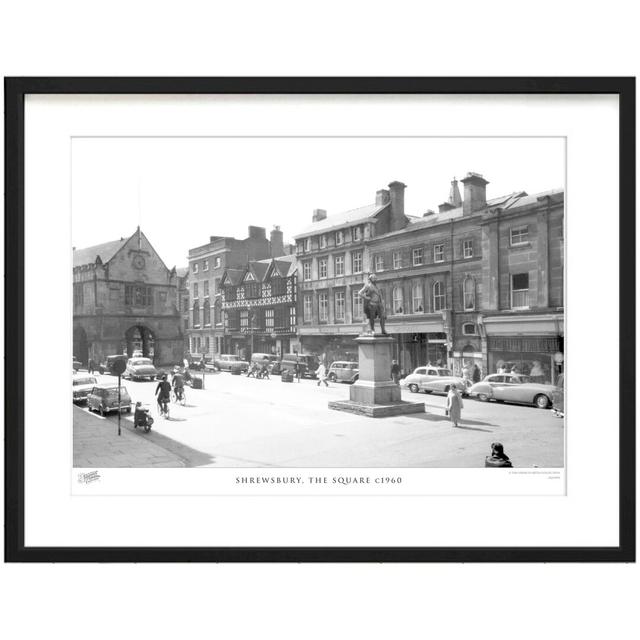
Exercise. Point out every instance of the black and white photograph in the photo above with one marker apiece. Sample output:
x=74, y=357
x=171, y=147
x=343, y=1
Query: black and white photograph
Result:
x=315, y=302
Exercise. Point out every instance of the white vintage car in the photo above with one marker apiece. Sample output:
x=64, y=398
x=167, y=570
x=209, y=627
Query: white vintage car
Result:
x=429, y=379
x=513, y=387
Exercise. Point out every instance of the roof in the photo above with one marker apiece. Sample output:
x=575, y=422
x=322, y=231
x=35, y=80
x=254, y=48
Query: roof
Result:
x=106, y=251
x=234, y=276
x=353, y=216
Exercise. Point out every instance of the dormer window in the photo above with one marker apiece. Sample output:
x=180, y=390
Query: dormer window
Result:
x=357, y=234
x=339, y=238
x=323, y=241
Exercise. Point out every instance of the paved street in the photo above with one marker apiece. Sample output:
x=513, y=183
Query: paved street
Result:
x=242, y=422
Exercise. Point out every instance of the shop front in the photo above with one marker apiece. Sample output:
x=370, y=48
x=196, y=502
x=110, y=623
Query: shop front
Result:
x=413, y=350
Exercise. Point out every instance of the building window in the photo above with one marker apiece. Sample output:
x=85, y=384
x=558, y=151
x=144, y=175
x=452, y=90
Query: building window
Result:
x=206, y=313
x=216, y=263
x=195, y=290
x=340, y=305
x=356, y=262
x=307, y=244
x=469, y=329
x=252, y=290
x=137, y=296
x=417, y=300
x=244, y=319
x=378, y=263
x=307, y=308
x=418, y=256
x=397, y=260
x=469, y=293
x=519, y=235
x=358, y=310
x=397, y=300
x=520, y=291
x=269, y=320
x=467, y=249
x=323, y=307
x=78, y=294
x=438, y=253
x=205, y=265
x=306, y=271
x=195, y=267
x=338, y=266
x=322, y=268
x=162, y=297
x=439, y=297
x=196, y=314
x=357, y=234
x=205, y=286
x=323, y=241
x=339, y=238
x=207, y=344
x=292, y=319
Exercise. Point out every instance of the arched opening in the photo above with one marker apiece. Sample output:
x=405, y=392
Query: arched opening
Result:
x=80, y=345
x=140, y=339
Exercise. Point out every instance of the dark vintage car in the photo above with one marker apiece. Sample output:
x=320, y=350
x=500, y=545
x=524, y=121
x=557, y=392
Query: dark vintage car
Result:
x=230, y=362
x=82, y=386
x=140, y=368
x=109, y=362
x=104, y=399
x=307, y=363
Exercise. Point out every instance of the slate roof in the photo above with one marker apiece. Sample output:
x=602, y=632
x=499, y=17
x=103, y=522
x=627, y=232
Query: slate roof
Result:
x=234, y=276
x=106, y=251
x=353, y=216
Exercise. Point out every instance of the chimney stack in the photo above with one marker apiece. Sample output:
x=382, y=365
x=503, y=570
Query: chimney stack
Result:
x=277, y=244
x=396, y=196
x=319, y=214
x=257, y=233
x=475, y=193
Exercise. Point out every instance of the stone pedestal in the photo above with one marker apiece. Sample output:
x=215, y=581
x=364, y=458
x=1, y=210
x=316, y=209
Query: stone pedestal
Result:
x=375, y=394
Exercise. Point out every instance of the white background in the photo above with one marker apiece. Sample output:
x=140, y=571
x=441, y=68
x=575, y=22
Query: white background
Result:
x=324, y=601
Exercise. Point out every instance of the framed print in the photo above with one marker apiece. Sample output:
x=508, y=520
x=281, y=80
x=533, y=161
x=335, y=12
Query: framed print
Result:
x=320, y=319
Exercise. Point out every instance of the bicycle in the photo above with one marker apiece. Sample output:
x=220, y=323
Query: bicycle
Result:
x=178, y=395
x=163, y=406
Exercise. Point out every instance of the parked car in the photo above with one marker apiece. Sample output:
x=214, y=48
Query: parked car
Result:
x=140, y=368
x=557, y=395
x=76, y=364
x=230, y=362
x=104, y=399
x=308, y=364
x=513, y=387
x=259, y=358
x=82, y=386
x=429, y=379
x=109, y=362
x=343, y=371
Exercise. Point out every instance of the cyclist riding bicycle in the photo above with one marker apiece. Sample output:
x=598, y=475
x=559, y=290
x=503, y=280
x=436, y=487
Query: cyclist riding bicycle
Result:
x=177, y=383
x=163, y=393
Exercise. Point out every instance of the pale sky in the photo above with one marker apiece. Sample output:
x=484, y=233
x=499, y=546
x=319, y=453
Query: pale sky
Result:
x=183, y=190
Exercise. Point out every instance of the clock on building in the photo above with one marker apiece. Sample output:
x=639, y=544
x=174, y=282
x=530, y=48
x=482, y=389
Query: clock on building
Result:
x=138, y=261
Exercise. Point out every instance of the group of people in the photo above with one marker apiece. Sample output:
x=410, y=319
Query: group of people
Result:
x=259, y=370
x=179, y=378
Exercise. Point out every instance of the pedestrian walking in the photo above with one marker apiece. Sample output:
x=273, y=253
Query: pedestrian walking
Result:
x=454, y=405
x=322, y=375
x=475, y=375
x=395, y=371
x=90, y=366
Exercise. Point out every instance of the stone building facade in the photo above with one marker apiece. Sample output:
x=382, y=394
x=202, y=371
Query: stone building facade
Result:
x=207, y=264
x=124, y=300
x=479, y=282
x=259, y=307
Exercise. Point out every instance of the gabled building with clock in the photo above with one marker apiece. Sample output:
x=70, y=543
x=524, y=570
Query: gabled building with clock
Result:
x=124, y=301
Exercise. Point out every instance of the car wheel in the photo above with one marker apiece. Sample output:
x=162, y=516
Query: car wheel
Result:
x=356, y=378
x=483, y=397
x=332, y=377
x=541, y=401
x=413, y=388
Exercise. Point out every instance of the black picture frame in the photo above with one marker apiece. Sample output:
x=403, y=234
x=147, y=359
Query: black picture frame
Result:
x=15, y=91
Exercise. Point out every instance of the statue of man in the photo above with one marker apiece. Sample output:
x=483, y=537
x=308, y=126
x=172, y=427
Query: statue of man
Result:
x=373, y=303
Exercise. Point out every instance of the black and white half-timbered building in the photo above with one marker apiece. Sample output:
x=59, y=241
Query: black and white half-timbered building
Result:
x=259, y=307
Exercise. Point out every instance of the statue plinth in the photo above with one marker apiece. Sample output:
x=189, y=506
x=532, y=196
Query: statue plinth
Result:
x=375, y=394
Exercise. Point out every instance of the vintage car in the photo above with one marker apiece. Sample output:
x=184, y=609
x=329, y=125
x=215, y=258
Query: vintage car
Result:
x=139, y=369
x=513, y=387
x=259, y=358
x=230, y=362
x=104, y=399
x=343, y=371
x=109, y=362
x=82, y=386
x=429, y=379
x=307, y=363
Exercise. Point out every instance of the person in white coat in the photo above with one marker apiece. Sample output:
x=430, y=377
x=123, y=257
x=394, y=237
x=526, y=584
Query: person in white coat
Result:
x=454, y=405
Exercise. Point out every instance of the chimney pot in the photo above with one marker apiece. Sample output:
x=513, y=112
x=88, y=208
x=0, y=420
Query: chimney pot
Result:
x=382, y=197
x=396, y=194
x=318, y=214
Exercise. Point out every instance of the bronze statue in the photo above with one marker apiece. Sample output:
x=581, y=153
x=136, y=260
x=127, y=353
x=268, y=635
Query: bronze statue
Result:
x=373, y=303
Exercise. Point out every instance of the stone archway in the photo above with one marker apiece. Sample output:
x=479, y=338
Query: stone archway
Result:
x=140, y=338
x=80, y=345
